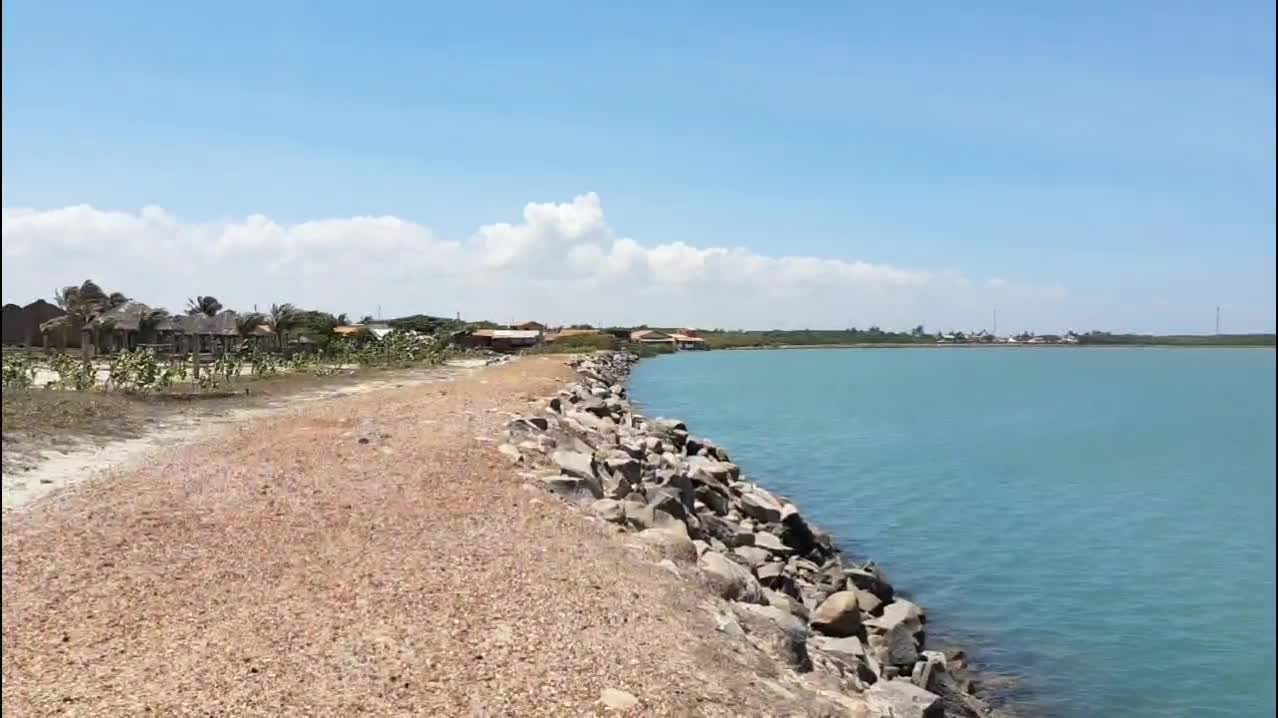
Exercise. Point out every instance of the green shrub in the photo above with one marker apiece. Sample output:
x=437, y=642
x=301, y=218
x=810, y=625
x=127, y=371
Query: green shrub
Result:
x=579, y=344
x=73, y=373
x=19, y=371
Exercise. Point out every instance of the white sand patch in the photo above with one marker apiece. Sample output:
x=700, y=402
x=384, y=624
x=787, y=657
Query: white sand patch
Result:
x=57, y=470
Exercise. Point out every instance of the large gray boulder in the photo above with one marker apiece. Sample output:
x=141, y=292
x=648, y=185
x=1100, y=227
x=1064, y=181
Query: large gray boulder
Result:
x=729, y=532
x=868, y=602
x=870, y=578
x=900, y=645
x=760, y=505
x=900, y=625
x=575, y=463
x=771, y=543
x=930, y=663
x=716, y=500
x=648, y=516
x=667, y=499
x=900, y=611
x=787, y=604
x=838, y=615
x=622, y=466
x=902, y=699
x=671, y=543
x=768, y=572
x=848, y=648
x=752, y=556
x=573, y=489
x=609, y=510
x=730, y=579
x=711, y=471
x=785, y=635
x=850, y=652
x=678, y=484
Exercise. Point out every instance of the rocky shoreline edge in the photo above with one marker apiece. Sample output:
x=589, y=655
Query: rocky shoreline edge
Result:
x=851, y=645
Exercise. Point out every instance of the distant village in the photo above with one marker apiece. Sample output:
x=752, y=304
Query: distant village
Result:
x=1024, y=338
x=94, y=321
x=530, y=334
x=87, y=318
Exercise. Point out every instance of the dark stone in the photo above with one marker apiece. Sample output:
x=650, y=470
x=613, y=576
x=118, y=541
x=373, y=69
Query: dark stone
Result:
x=714, y=500
x=717, y=527
x=677, y=482
x=664, y=498
x=796, y=534
x=789, y=635
x=872, y=581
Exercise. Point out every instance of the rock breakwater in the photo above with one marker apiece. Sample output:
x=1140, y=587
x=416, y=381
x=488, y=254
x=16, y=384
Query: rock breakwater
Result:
x=780, y=585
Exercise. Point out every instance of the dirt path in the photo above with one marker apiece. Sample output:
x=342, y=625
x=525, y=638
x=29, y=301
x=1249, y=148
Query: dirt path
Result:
x=366, y=555
x=52, y=469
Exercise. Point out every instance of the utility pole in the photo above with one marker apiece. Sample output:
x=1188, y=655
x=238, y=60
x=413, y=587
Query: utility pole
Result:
x=995, y=332
x=1217, y=320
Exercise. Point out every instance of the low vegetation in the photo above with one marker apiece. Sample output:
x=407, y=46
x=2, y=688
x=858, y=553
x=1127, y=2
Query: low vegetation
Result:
x=579, y=344
x=728, y=339
x=1188, y=340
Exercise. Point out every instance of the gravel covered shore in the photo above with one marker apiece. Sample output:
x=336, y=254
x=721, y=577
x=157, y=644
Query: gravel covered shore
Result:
x=369, y=555
x=459, y=548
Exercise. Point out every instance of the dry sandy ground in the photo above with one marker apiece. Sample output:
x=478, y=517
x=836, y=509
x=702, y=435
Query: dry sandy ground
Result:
x=362, y=556
x=41, y=471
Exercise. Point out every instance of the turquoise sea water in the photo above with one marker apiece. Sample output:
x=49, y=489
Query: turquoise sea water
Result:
x=1098, y=523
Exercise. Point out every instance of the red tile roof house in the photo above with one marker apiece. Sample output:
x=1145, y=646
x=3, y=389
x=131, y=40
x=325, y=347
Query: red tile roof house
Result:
x=688, y=341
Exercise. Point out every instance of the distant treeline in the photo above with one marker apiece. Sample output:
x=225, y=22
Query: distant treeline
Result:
x=730, y=339
x=723, y=339
x=1232, y=340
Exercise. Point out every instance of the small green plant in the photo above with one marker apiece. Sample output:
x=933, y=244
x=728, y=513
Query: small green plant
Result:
x=226, y=368
x=264, y=364
x=73, y=373
x=208, y=381
x=141, y=371
x=19, y=371
x=302, y=362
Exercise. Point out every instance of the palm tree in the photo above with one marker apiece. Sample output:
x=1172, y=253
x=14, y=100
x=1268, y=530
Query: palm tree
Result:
x=85, y=303
x=150, y=320
x=247, y=324
x=343, y=319
x=282, y=318
x=208, y=306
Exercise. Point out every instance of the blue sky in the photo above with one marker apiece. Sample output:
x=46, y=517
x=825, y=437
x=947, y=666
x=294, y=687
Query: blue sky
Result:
x=1083, y=165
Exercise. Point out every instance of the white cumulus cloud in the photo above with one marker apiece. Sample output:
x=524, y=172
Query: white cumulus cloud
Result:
x=561, y=263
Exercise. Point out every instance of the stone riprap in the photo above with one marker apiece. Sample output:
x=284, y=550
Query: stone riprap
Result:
x=779, y=584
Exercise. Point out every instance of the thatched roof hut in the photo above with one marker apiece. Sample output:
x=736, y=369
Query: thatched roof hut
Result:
x=128, y=317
